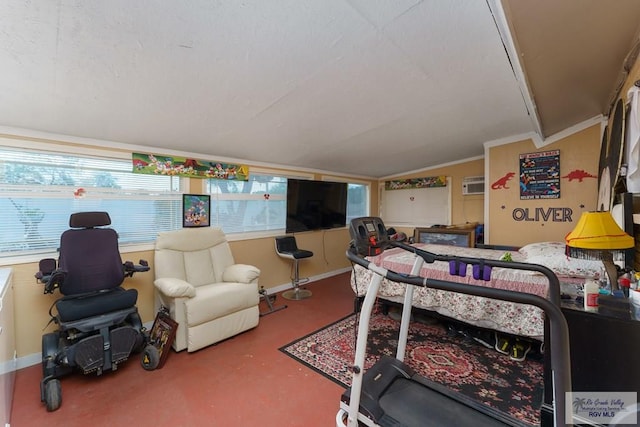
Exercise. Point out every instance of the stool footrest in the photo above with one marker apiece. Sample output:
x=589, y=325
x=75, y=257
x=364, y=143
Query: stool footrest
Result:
x=296, y=294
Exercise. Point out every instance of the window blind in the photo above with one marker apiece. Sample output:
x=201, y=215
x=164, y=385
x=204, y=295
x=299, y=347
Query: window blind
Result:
x=40, y=190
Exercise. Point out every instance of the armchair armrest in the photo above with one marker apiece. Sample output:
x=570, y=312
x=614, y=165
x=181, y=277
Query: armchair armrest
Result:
x=241, y=273
x=175, y=288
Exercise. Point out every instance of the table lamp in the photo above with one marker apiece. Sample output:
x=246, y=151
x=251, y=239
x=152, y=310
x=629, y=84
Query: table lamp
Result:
x=597, y=236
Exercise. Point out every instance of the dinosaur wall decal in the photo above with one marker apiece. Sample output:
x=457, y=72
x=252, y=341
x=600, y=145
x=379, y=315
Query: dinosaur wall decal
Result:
x=578, y=174
x=502, y=182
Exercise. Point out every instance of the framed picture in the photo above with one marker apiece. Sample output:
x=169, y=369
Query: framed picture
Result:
x=196, y=209
x=162, y=335
x=445, y=236
x=540, y=175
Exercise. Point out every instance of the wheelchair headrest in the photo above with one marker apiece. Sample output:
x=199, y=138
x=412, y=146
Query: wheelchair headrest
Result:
x=89, y=219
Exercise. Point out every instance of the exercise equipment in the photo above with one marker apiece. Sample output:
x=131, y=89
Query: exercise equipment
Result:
x=389, y=393
x=270, y=300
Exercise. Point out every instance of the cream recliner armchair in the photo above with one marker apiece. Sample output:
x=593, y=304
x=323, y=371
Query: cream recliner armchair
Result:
x=210, y=296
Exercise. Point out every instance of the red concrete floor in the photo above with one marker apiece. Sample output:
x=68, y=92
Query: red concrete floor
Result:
x=243, y=381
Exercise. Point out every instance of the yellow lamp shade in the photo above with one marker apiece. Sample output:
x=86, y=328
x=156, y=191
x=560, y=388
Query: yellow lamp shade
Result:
x=598, y=231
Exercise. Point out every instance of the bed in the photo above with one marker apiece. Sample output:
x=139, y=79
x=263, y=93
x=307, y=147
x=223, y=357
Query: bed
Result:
x=510, y=318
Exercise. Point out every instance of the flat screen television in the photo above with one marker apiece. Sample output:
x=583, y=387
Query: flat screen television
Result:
x=315, y=205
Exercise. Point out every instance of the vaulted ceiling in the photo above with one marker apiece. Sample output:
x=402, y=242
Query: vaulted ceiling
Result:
x=359, y=87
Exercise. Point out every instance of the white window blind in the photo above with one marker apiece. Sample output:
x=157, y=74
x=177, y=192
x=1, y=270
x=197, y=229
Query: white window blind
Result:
x=41, y=189
x=357, y=201
x=259, y=204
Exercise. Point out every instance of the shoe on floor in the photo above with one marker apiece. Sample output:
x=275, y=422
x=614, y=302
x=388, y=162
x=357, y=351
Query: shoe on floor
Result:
x=486, y=338
x=503, y=344
x=425, y=319
x=519, y=350
x=397, y=315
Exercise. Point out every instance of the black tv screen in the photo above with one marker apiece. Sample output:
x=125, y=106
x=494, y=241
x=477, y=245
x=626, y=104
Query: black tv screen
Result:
x=315, y=205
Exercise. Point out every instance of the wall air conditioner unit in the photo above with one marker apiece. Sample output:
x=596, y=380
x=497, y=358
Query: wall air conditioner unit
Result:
x=473, y=185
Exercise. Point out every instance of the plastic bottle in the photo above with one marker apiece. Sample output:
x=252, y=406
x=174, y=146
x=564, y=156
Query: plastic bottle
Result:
x=624, y=283
x=591, y=292
x=605, y=285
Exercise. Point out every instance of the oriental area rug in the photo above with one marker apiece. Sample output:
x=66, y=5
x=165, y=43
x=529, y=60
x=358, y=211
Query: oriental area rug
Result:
x=512, y=387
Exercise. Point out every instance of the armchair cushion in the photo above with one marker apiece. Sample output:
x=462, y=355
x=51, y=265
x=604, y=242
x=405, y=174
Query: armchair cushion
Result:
x=241, y=273
x=218, y=300
x=175, y=288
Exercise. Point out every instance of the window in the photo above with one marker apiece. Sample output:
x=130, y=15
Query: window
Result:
x=260, y=204
x=357, y=197
x=357, y=201
x=39, y=190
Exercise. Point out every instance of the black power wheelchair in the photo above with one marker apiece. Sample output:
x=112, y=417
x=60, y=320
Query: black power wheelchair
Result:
x=99, y=324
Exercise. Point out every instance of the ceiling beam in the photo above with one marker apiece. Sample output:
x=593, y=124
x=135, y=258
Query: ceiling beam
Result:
x=509, y=44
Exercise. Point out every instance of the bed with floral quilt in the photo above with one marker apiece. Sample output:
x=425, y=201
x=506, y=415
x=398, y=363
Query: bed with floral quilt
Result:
x=511, y=318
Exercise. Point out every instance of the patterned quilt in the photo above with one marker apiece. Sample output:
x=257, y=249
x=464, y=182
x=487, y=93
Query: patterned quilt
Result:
x=508, y=317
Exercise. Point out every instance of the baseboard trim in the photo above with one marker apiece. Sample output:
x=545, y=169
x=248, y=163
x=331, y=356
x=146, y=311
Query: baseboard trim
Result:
x=36, y=358
x=29, y=360
x=287, y=286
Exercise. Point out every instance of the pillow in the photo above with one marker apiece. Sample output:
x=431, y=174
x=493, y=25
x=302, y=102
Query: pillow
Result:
x=564, y=265
x=543, y=248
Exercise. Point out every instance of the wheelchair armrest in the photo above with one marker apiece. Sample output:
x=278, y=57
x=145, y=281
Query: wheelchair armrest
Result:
x=130, y=268
x=53, y=281
x=50, y=275
x=47, y=266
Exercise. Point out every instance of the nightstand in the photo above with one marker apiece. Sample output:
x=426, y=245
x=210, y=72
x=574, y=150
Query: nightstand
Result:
x=605, y=352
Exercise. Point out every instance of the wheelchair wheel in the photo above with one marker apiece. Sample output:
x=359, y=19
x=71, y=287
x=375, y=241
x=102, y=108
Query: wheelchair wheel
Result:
x=49, y=350
x=150, y=358
x=52, y=394
x=134, y=320
x=139, y=344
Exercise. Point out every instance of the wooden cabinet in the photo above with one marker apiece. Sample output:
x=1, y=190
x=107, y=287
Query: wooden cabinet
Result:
x=605, y=347
x=7, y=346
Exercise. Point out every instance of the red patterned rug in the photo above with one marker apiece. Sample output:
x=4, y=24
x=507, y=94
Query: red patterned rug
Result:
x=514, y=388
